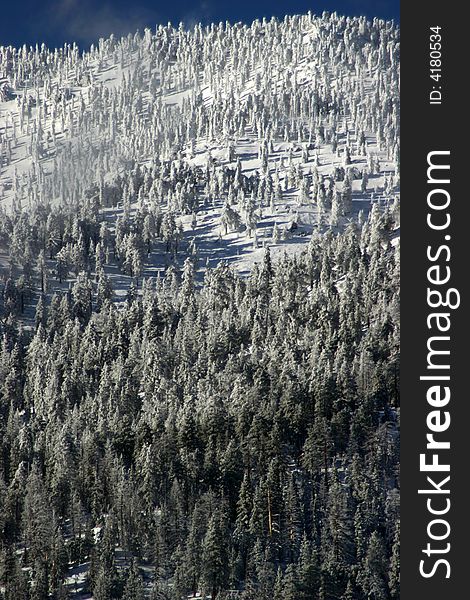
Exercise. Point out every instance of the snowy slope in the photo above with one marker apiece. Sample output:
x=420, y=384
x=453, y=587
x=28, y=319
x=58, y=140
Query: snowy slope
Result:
x=181, y=148
x=287, y=100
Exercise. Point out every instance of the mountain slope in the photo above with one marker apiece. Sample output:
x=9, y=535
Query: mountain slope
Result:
x=265, y=119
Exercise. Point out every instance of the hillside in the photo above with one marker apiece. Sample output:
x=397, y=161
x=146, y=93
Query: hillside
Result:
x=199, y=314
x=225, y=139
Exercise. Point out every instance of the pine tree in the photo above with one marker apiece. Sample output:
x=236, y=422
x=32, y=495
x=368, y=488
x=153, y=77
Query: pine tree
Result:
x=37, y=517
x=215, y=555
x=373, y=574
x=394, y=572
x=133, y=590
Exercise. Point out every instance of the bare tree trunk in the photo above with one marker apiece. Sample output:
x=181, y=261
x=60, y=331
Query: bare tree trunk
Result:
x=270, y=515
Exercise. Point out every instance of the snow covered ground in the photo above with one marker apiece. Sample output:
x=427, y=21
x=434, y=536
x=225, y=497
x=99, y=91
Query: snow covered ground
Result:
x=212, y=144
x=56, y=124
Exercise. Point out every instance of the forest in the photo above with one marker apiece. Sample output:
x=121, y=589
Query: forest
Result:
x=240, y=435
x=199, y=314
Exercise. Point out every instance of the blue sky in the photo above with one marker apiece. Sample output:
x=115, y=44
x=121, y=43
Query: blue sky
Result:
x=84, y=21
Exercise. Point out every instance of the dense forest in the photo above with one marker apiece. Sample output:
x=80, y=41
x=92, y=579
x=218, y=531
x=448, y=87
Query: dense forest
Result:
x=237, y=436
x=199, y=314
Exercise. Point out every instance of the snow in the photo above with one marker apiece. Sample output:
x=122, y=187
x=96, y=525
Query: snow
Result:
x=64, y=129
x=112, y=69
